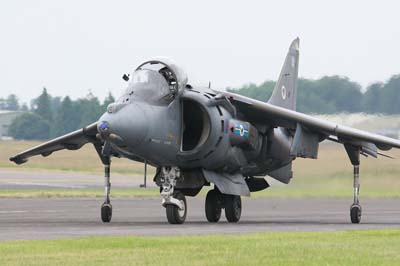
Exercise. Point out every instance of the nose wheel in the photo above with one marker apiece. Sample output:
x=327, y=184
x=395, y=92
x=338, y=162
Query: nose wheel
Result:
x=175, y=214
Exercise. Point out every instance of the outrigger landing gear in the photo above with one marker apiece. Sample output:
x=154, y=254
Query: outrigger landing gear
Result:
x=355, y=208
x=173, y=201
x=106, y=207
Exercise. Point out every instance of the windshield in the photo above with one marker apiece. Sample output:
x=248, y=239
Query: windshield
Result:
x=147, y=85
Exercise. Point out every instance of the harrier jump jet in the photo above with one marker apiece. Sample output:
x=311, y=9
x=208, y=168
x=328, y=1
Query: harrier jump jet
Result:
x=197, y=136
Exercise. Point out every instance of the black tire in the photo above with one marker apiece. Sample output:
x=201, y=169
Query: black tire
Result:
x=233, y=208
x=174, y=214
x=106, y=212
x=355, y=214
x=213, y=206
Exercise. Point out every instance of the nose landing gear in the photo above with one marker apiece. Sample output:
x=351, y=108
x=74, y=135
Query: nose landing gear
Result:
x=173, y=201
x=175, y=214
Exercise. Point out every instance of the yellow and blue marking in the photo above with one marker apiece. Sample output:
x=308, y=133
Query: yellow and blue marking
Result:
x=241, y=130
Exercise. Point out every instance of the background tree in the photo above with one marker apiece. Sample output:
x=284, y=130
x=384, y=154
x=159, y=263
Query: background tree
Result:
x=372, y=98
x=326, y=95
x=109, y=99
x=12, y=103
x=2, y=104
x=29, y=126
x=42, y=106
x=390, y=96
x=66, y=119
x=90, y=109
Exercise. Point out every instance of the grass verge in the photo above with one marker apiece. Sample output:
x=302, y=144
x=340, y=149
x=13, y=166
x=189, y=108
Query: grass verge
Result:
x=274, y=192
x=330, y=176
x=375, y=247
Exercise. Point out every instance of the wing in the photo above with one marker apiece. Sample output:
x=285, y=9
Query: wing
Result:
x=264, y=113
x=71, y=141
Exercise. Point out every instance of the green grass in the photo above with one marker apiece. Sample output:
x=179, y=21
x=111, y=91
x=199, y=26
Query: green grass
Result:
x=295, y=191
x=329, y=176
x=375, y=247
x=83, y=160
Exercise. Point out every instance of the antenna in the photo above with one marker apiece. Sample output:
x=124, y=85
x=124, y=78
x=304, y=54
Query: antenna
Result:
x=209, y=84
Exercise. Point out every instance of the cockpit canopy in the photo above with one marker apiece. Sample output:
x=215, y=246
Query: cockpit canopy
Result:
x=156, y=81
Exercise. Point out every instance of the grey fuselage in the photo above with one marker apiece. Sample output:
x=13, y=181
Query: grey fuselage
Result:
x=191, y=128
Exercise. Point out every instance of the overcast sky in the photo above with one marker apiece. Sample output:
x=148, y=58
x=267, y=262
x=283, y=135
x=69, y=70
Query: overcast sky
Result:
x=73, y=46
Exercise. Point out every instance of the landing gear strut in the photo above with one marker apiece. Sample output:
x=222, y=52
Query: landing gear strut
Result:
x=355, y=208
x=106, y=207
x=173, y=201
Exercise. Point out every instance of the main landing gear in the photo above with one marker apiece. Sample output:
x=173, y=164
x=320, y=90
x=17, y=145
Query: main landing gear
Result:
x=173, y=201
x=216, y=201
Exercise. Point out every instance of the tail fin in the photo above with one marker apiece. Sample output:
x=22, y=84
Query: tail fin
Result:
x=285, y=91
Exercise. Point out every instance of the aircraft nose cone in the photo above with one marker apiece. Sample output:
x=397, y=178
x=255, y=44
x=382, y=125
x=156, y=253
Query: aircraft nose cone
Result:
x=128, y=126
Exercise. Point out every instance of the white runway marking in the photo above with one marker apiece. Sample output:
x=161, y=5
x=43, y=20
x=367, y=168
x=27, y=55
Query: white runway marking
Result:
x=45, y=185
x=1, y=212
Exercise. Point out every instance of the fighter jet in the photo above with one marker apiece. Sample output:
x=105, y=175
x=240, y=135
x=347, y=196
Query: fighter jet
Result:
x=198, y=136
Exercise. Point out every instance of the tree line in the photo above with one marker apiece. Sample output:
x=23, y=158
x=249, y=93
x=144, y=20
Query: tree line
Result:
x=336, y=94
x=50, y=117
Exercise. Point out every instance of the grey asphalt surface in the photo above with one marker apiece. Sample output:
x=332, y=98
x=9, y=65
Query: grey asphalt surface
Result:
x=59, y=218
x=72, y=217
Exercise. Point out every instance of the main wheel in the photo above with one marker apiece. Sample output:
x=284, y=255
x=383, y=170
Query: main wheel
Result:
x=174, y=214
x=106, y=212
x=213, y=206
x=233, y=208
x=355, y=213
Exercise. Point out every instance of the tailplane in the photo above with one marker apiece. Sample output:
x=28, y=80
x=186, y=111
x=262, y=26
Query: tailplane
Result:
x=285, y=91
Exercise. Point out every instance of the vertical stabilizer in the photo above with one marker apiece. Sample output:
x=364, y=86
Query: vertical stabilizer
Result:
x=285, y=91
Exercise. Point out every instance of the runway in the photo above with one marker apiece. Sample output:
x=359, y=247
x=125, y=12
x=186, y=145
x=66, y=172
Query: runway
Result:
x=60, y=218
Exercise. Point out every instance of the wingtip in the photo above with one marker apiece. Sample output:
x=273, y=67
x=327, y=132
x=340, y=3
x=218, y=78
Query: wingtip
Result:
x=18, y=160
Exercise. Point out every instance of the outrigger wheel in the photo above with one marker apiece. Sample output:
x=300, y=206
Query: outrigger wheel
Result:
x=174, y=214
x=106, y=212
x=355, y=213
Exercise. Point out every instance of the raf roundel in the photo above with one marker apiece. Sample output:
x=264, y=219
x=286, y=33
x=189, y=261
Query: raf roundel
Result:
x=284, y=92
